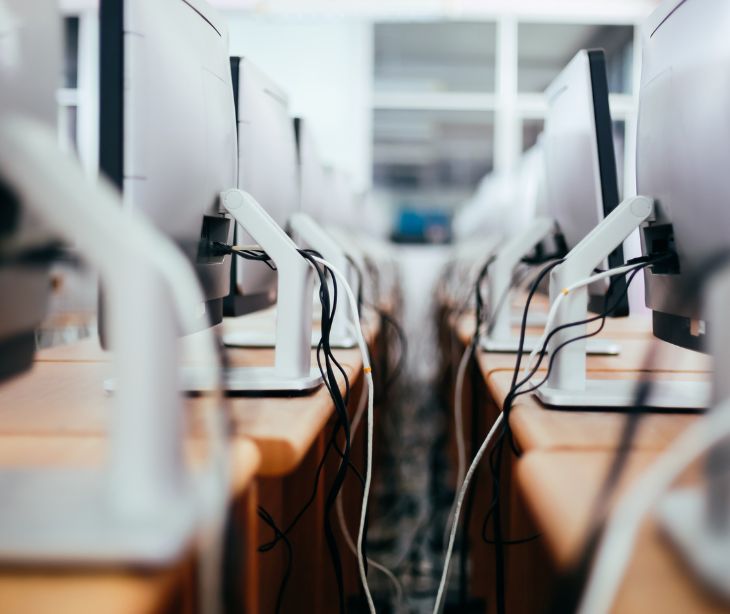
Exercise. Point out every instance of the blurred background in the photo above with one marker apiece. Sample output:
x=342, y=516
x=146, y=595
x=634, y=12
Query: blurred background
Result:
x=427, y=106
x=417, y=100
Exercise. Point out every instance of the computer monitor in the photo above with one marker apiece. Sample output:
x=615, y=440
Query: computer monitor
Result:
x=312, y=176
x=683, y=155
x=267, y=169
x=580, y=164
x=30, y=50
x=167, y=125
x=342, y=204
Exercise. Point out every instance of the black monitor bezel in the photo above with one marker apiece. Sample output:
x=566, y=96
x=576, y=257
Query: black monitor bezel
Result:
x=617, y=292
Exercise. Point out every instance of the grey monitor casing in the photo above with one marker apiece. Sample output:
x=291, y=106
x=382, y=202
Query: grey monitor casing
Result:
x=267, y=169
x=313, y=181
x=171, y=144
x=30, y=52
x=580, y=163
x=342, y=202
x=683, y=151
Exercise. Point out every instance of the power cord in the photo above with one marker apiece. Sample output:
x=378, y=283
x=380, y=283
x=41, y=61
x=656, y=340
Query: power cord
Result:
x=517, y=390
x=329, y=367
x=326, y=360
x=502, y=423
x=279, y=535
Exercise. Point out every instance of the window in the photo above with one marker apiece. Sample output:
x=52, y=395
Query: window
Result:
x=435, y=57
x=68, y=97
x=545, y=49
x=433, y=158
x=531, y=130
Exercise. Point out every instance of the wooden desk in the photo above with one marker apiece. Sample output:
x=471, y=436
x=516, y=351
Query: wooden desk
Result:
x=551, y=489
x=126, y=590
x=62, y=400
x=559, y=489
x=87, y=593
x=284, y=428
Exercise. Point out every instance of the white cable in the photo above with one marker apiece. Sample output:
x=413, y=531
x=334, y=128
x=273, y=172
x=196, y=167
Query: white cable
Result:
x=457, y=514
x=614, y=553
x=398, y=589
x=459, y=412
x=552, y=314
x=367, y=368
x=459, y=428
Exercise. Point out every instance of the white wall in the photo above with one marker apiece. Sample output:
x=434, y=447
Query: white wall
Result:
x=326, y=68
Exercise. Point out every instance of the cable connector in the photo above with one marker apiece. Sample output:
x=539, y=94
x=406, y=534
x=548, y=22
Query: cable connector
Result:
x=219, y=249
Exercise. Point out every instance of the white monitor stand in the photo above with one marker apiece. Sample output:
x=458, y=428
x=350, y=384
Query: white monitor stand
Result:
x=568, y=385
x=312, y=235
x=292, y=370
x=143, y=507
x=499, y=337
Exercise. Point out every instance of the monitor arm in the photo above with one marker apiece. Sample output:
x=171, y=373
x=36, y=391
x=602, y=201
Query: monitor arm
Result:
x=353, y=251
x=316, y=237
x=569, y=368
x=293, y=358
x=501, y=272
x=141, y=508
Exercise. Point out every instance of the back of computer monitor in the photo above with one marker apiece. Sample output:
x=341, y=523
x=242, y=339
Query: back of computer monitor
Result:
x=267, y=169
x=30, y=50
x=312, y=177
x=580, y=164
x=343, y=210
x=683, y=154
x=167, y=131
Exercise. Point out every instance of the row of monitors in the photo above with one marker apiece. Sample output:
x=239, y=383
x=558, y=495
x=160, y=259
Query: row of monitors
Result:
x=683, y=152
x=181, y=122
x=172, y=137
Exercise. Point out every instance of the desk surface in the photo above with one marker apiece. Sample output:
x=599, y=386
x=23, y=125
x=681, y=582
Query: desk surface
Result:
x=567, y=454
x=74, y=590
x=283, y=428
x=535, y=427
x=110, y=592
x=560, y=488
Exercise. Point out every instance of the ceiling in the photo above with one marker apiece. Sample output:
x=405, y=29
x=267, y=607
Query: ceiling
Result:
x=606, y=11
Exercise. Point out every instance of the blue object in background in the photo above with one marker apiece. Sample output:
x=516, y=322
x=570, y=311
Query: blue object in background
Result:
x=422, y=226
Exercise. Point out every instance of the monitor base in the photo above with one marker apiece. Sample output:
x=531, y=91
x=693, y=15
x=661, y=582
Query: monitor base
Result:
x=256, y=380
x=243, y=380
x=683, y=515
x=608, y=394
x=264, y=339
x=65, y=517
x=537, y=319
x=596, y=347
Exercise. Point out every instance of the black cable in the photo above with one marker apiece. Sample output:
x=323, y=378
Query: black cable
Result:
x=330, y=379
x=473, y=443
x=397, y=370
x=572, y=582
x=328, y=366
x=266, y=517
x=497, y=452
x=496, y=469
